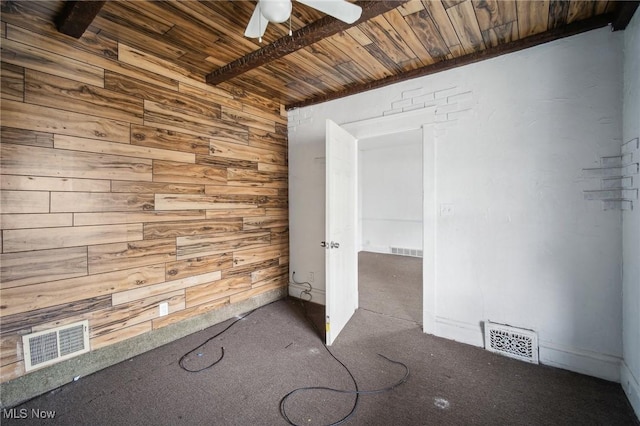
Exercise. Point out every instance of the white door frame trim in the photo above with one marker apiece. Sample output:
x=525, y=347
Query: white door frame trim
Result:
x=414, y=120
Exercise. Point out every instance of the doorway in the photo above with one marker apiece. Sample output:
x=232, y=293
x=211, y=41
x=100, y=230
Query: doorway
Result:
x=422, y=121
x=390, y=231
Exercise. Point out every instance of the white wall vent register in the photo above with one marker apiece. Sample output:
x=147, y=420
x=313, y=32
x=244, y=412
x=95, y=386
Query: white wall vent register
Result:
x=406, y=251
x=54, y=345
x=513, y=342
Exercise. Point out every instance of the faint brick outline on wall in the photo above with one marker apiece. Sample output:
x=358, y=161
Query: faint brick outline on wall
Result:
x=449, y=104
x=618, y=177
x=298, y=117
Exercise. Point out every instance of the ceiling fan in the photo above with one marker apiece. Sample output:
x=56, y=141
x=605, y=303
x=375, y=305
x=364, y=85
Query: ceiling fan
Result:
x=278, y=11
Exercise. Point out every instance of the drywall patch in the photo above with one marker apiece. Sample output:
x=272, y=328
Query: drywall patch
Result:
x=617, y=177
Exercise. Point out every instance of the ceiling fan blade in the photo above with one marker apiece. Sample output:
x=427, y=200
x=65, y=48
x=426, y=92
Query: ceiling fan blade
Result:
x=339, y=9
x=257, y=24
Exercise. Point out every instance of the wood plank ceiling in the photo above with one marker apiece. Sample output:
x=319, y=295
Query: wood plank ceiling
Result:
x=413, y=38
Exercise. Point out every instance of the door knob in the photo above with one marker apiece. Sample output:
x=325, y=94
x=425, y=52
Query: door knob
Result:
x=335, y=245
x=324, y=244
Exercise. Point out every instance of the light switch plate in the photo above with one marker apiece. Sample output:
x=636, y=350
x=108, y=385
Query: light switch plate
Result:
x=446, y=209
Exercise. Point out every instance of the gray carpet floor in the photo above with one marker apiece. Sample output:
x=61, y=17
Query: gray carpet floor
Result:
x=275, y=350
x=391, y=285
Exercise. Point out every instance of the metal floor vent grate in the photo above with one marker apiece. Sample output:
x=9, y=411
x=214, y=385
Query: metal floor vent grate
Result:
x=406, y=252
x=54, y=345
x=510, y=341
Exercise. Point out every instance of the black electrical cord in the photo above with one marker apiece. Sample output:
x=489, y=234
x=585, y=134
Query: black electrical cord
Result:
x=357, y=392
x=186, y=355
x=303, y=293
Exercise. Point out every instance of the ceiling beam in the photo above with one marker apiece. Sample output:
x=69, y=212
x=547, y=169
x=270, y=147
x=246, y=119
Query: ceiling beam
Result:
x=624, y=15
x=76, y=16
x=574, y=28
x=305, y=36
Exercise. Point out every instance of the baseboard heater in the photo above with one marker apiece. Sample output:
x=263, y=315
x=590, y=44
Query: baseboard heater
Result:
x=513, y=342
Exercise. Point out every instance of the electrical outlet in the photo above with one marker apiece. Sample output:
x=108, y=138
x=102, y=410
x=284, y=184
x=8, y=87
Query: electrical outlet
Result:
x=164, y=309
x=311, y=277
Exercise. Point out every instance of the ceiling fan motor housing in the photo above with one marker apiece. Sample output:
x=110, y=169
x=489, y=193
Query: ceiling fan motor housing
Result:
x=276, y=11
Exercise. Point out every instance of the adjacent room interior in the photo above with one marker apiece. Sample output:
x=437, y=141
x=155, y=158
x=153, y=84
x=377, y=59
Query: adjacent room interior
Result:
x=445, y=192
x=390, y=225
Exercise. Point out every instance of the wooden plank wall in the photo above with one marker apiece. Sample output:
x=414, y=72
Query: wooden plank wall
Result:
x=127, y=182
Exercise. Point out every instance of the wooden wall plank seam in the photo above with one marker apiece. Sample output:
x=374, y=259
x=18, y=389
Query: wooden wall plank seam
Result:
x=17, y=269
x=164, y=287
x=125, y=150
x=36, y=161
x=47, y=294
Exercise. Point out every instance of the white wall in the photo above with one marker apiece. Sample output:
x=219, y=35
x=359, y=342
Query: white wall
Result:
x=522, y=245
x=390, y=193
x=630, y=372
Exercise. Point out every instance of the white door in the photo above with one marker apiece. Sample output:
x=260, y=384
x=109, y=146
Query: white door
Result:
x=341, y=260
